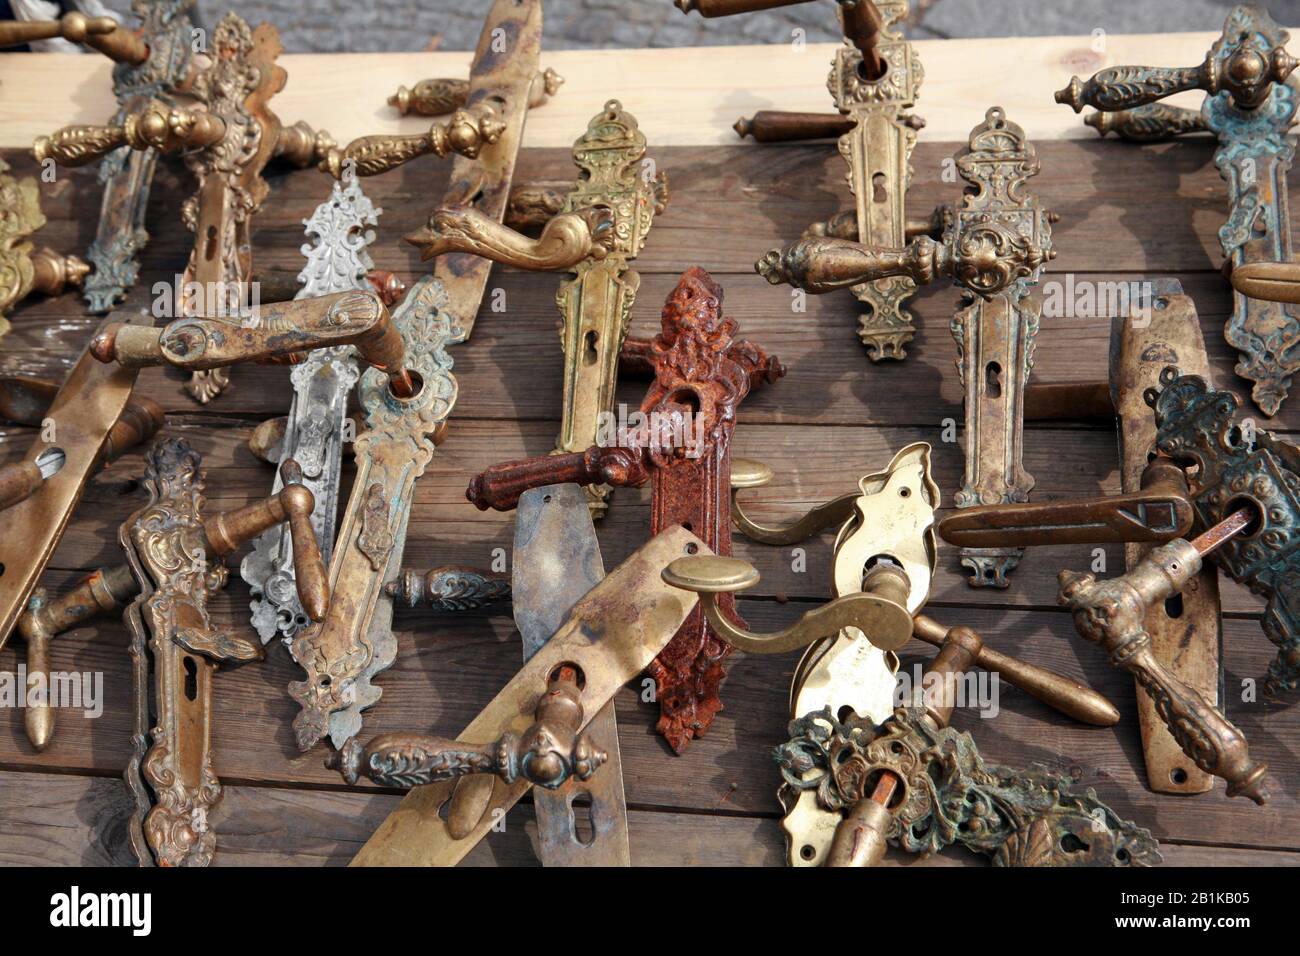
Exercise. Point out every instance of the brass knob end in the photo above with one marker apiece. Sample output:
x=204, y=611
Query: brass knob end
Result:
x=748, y=473
x=713, y=574
x=1071, y=95
x=104, y=345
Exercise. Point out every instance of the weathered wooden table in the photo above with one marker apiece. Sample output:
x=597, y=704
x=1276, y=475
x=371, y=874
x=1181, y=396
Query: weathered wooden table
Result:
x=1126, y=213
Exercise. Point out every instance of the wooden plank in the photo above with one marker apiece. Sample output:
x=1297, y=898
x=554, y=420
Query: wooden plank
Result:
x=681, y=96
x=449, y=667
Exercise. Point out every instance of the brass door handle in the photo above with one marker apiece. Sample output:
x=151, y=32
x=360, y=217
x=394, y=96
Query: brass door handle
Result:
x=100, y=33
x=1247, y=74
x=500, y=486
x=159, y=127
x=1110, y=613
x=565, y=241
x=879, y=610
x=1152, y=123
x=746, y=473
x=438, y=97
x=448, y=588
x=139, y=421
x=359, y=319
x=465, y=132
x=1270, y=281
x=301, y=146
x=547, y=754
x=782, y=126
x=728, y=8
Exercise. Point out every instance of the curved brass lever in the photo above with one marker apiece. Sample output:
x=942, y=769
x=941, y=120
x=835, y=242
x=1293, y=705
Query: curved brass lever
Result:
x=1270, y=281
x=100, y=592
x=1111, y=614
x=546, y=755
x=746, y=473
x=438, y=97
x=293, y=503
x=166, y=129
x=359, y=319
x=879, y=610
x=465, y=132
x=565, y=241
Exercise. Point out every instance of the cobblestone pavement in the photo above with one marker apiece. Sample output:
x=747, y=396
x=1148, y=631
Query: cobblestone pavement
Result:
x=379, y=25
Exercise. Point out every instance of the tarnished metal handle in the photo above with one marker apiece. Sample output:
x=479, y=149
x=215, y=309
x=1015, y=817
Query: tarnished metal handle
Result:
x=1111, y=614
x=167, y=129
x=140, y=420
x=301, y=146
x=728, y=8
x=100, y=592
x=448, y=588
x=879, y=610
x=821, y=263
x=438, y=97
x=779, y=126
x=565, y=241
x=278, y=330
x=1152, y=123
x=1248, y=75
x=1269, y=281
x=500, y=486
x=293, y=503
x=547, y=754
x=102, y=33
x=754, y=474
x=465, y=132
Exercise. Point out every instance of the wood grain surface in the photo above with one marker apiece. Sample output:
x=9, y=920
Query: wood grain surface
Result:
x=1127, y=214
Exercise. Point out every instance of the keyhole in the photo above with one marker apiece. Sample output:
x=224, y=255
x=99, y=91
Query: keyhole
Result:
x=878, y=193
x=1174, y=606
x=210, y=246
x=582, y=820
x=993, y=380
x=191, y=680
x=589, y=347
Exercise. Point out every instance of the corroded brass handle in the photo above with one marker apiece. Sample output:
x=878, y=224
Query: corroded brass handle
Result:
x=500, y=486
x=1247, y=75
x=1152, y=123
x=879, y=610
x=278, y=330
x=293, y=503
x=1111, y=613
x=546, y=755
x=438, y=97
x=156, y=127
x=754, y=474
x=465, y=132
x=565, y=241
x=448, y=588
x=100, y=592
x=779, y=126
x=822, y=263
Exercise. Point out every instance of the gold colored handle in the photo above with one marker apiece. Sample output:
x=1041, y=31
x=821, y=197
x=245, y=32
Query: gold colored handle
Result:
x=1111, y=614
x=76, y=27
x=754, y=474
x=547, y=754
x=155, y=127
x=465, y=133
x=1152, y=123
x=1055, y=690
x=53, y=272
x=879, y=610
x=1269, y=281
x=438, y=97
x=565, y=241
x=293, y=503
x=821, y=263
x=301, y=146
x=100, y=592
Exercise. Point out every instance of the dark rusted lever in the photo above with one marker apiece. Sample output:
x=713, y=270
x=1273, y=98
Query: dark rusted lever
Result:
x=547, y=754
x=1161, y=511
x=1111, y=613
x=448, y=588
x=139, y=421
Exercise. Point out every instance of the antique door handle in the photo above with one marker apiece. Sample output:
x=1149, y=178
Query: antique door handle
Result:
x=166, y=129
x=1161, y=511
x=547, y=754
x=438, y=97
x=1250, y=106
x=566, y=240
x=139, y=421
x=728, y=8
x=100, y=592
x=283, y=329
x=702, y=372
x=900, y=779
x=465, y=132
x=1269, y=281
x=781, y=126
x=301, y=146
x=1245, y=70
x=1110, y=613
x=100, y=33
x=879, y=610
x=27, y=268
x=746, y=473
x=448, y=588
